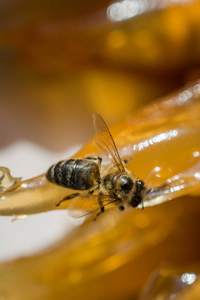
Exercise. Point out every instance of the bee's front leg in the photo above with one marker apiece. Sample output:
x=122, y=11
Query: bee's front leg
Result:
x=100, y=205
x=119, y=203
x=101, y=208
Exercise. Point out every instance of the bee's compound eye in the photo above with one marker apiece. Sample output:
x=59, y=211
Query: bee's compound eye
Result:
x=126, y=183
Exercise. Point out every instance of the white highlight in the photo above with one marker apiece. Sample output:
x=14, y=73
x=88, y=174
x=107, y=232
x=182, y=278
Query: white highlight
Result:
x=196, y=154
x=197, y=175
x=188, y=278
x=126, y=9
x=177, y=188
x=157, y=139
x=157, y=169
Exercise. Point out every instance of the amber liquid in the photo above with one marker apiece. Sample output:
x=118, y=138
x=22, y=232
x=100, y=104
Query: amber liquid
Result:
x=64, y=63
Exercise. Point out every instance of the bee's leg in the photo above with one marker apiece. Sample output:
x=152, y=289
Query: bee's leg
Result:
x=101, y=205
x=101, y=210
x=68, y=198
x=119, y=203
x=92, y=190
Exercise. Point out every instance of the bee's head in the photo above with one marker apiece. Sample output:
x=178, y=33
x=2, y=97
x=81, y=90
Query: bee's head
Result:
x=123, y=186
x=128, y=189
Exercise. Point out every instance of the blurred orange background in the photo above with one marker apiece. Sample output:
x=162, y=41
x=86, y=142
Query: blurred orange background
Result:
x=62, y=60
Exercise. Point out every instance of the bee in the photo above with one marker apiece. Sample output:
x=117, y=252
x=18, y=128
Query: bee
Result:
x=113, y=181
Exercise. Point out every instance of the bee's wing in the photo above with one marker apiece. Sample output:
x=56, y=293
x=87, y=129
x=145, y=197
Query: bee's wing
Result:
x=82, y=206
x=165, y=192
x=105, y=141
x=86, y=204
x=156, y=195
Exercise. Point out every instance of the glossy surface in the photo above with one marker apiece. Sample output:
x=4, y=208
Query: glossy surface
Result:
x=129, y=244
x=62, y=60
x=169, y=284
x=166, y=155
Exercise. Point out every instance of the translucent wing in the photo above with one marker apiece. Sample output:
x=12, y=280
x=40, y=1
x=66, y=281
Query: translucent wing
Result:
x=105, y=141
x=167, y=191
x=86, y=204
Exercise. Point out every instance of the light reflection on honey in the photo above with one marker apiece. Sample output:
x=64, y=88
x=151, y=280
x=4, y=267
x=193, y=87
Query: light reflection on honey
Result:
x=57, y=68
x=122, y=242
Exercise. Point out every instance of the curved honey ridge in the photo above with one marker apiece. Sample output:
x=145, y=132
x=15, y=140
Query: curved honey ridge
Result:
x=161, y=142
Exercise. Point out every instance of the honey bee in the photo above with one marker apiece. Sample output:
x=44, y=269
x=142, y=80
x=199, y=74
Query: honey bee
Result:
x=113, y=181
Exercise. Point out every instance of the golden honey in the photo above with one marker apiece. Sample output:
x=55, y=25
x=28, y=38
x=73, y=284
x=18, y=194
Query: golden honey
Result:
x=121, y=249
x=60, y=62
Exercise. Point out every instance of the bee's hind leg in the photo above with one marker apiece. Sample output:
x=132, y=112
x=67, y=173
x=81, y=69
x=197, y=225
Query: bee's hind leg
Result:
x=68, y=198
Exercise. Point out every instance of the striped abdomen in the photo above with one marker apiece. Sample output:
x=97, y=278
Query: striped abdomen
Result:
x=76, y=174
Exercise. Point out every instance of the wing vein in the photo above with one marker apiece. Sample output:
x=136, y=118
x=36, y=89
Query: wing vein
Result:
x=106, y=142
